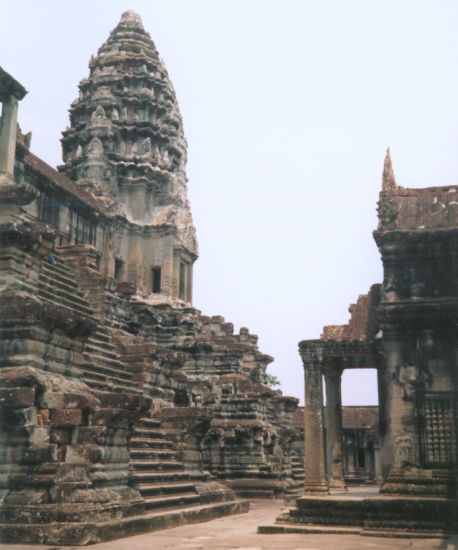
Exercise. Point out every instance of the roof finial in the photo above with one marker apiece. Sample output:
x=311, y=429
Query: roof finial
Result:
x=132, y=19
x=388, y=179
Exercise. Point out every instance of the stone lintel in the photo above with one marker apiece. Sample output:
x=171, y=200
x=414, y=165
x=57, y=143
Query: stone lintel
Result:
x=9, y=86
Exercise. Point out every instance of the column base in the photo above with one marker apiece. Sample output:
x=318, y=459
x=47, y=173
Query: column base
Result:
x=337, y=486
x=318, y=489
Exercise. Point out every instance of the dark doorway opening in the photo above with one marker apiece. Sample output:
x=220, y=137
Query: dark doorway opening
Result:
x=119, y=269
x=156, y=280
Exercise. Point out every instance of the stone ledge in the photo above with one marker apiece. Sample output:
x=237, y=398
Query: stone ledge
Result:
x=381, y=516
x=324, y=530
x=83, y=534
x=306, y=530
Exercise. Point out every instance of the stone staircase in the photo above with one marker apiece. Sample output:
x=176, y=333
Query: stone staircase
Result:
x=101, y=369
x=156, y=471
x=56, y=284
x=297, y=475
x=297, y=468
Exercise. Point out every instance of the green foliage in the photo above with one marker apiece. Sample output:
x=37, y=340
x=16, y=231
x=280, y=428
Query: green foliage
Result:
x=272, y=380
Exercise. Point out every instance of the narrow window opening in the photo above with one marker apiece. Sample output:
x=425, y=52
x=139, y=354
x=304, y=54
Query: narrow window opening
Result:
x=119, y=269
x=182, y=289
x=156, y=280
x=181, y=399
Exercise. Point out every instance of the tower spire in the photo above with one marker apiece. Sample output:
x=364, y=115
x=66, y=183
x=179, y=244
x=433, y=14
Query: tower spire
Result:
x=131, y=18
x=388, y=179
x=126, y=142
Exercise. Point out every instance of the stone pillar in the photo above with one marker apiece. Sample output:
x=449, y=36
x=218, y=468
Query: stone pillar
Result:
x=8, y=130
x=377, y=464
x=401, y=381
x=332, y=377
x=314, y=455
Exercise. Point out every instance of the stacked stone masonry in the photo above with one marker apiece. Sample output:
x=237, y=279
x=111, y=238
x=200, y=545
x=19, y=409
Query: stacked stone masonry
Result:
x=123, y=408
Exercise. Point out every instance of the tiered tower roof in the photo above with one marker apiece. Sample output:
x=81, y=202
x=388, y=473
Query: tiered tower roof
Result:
x=126, y=132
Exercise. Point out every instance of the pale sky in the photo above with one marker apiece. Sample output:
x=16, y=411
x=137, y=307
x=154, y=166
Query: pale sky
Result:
x=288, y=109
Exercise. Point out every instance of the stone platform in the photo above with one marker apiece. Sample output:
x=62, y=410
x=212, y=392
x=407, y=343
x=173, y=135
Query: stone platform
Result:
x=363, y=511
x=239, y=532
x=83, y=534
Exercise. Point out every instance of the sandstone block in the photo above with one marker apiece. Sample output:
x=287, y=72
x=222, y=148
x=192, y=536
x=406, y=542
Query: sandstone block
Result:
x=66, y=417
x=60, y=436
x=17, y=397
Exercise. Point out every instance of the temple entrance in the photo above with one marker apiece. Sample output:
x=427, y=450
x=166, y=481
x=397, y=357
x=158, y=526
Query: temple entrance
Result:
x=360, y=427
x=351, y=426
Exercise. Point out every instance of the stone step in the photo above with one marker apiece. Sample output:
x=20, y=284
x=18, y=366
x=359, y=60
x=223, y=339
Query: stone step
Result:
x=97, y=384
x=104, y=370
x=104, y=385
x=137, y=442
x=107, y=383
x=153, y=433
x=60, y=270
x=152, y=454
x=53, y=280
x=47, y=284
x=101, y=344
x=155, y=477
x=152, y=466
x=151, y=489
x=103, y=360
x=102, y=349
x=61, y=265
x=184, y=499
x=149, y=422
x=52, y=296
x=422, y=525
x=101, y=334
x=256, y=493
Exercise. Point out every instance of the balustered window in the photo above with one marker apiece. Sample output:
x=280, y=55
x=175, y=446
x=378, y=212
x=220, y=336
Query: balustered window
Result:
x=82, y=230
x=439, y=429
x=48, y=209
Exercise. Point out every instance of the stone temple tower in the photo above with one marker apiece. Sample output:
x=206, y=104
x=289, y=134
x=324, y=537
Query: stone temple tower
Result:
x=126, y=146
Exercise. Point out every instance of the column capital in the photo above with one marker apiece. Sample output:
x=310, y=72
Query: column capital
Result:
x=332, y=370
x=311, y=352
x=10, y=87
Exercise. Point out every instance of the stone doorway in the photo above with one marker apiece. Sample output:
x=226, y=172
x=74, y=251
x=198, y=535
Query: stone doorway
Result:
x=351, y=433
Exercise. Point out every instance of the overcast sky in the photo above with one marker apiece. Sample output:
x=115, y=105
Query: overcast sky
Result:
x=288, y=109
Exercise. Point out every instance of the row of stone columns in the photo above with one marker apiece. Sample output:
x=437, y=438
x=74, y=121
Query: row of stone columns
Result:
x=321, y=474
